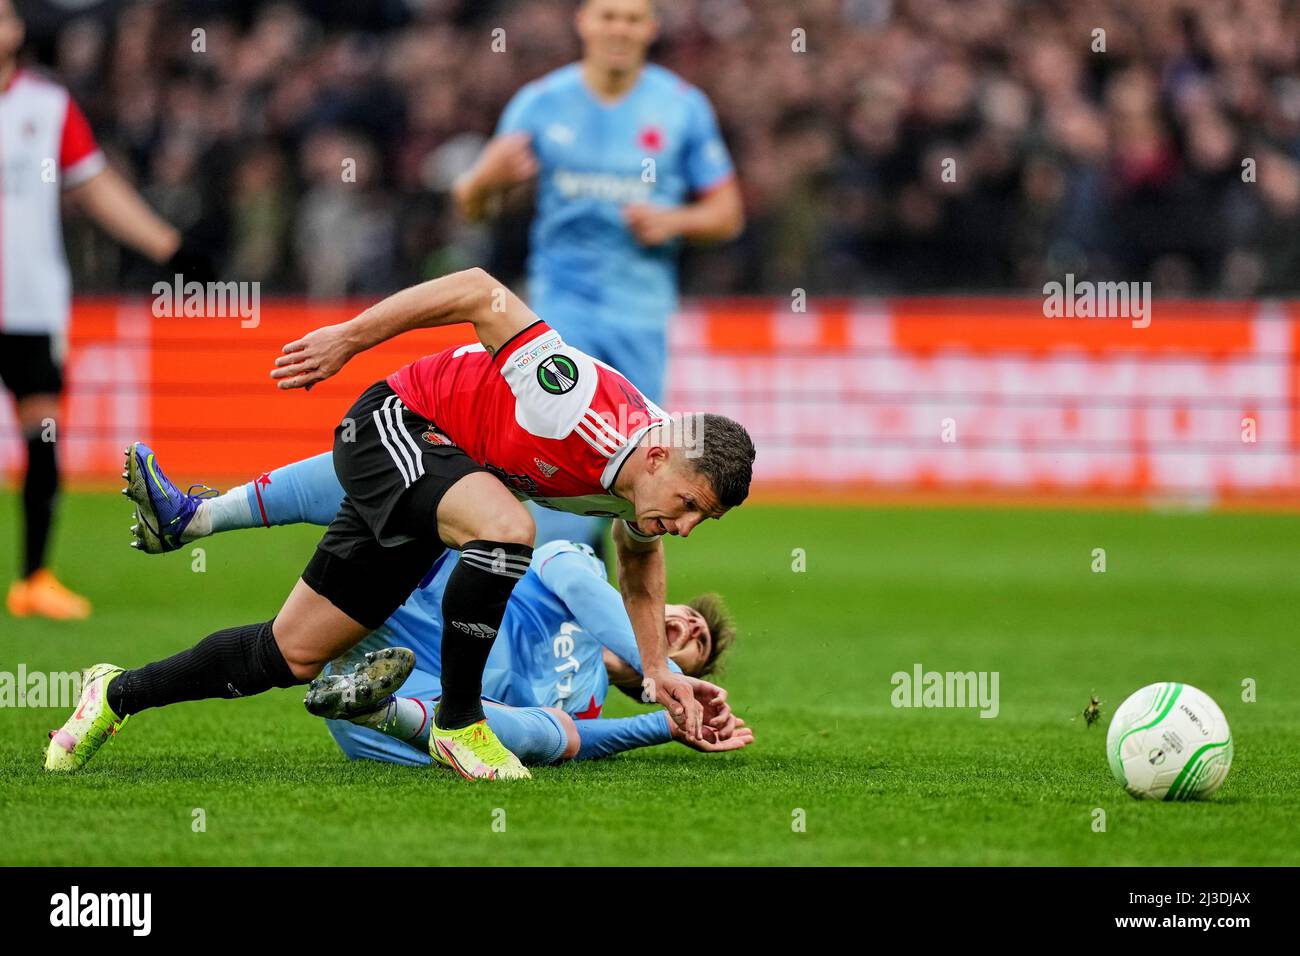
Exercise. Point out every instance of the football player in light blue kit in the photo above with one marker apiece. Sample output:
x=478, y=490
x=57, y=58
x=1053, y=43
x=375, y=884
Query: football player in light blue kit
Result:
x=629, y=164
x=564, y=641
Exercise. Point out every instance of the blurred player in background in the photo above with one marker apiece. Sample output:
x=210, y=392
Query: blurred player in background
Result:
x=629, y=162
x=46, y=147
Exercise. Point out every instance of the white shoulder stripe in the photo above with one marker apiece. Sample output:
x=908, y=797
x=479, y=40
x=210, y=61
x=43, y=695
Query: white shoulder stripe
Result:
x=612, y=440
x=595, y=443
x=602, y=425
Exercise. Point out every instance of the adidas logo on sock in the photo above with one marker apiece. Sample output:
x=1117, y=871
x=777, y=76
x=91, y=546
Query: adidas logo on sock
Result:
x=476, y=630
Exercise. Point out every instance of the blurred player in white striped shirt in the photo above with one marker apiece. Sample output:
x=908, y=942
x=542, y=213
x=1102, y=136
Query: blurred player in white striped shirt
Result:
x=47, y=151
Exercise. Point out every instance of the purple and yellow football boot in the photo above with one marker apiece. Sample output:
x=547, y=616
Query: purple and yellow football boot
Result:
x=162, y=511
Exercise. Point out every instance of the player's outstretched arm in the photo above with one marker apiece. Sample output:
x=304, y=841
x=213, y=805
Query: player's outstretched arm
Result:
x=117, y=208
x=472, y=296
x=643, y=581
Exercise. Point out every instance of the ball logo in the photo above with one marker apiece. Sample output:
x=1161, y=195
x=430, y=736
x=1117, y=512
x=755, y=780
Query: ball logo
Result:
x=557, y=374
x=1156, y=757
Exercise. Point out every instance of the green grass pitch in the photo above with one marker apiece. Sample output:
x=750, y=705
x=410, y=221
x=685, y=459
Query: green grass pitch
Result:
x=1210, y=599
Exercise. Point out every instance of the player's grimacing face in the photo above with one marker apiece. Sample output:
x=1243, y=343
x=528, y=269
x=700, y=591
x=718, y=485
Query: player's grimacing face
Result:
x=673, y=498
x=689, y=640
x=617, y=33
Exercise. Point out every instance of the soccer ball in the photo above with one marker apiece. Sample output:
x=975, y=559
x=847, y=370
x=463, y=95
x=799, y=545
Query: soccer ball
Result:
x=1169, y=741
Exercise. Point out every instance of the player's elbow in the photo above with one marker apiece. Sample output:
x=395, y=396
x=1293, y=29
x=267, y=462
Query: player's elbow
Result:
x=732, y=224
x=479, y=280
x=473, y=298
x=726, y=219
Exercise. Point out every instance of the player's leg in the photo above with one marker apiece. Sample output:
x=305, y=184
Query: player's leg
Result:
x=231, y=663
x=394, y=730
x=494, y=534
x=414, y=491
x=33, y=374
x=306, y=491
x=349, y=588
x=398, y=731
x=38, y=419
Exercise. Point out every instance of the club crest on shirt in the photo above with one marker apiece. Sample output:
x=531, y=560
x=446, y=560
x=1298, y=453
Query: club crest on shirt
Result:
x=651, y=138
x=557, y=374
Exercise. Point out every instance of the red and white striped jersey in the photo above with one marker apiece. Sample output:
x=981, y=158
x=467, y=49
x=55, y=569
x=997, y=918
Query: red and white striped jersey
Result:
x=550, y=421
x=45, y=145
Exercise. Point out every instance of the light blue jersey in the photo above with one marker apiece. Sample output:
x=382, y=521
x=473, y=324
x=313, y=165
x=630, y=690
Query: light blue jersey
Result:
x=589, y=277
x=549, y=650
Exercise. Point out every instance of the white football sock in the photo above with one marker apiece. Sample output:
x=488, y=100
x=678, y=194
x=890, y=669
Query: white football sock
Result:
x=402, y=717
x=228, y=512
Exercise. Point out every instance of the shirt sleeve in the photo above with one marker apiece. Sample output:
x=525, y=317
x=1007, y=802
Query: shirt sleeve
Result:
x=521, y=112
x=594, y=604
x=79, y=155
x=708, y=164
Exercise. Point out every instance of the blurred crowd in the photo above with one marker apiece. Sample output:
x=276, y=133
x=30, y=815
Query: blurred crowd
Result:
x=882, y=145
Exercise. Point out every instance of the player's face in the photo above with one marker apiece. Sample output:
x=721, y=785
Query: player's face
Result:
x=11, y=31
x=673, y=498
x=689, y=640
x=616, y=33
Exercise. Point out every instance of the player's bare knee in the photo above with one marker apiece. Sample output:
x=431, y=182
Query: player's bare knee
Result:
x=303, y=660
x=516, y=526
x=572, y=742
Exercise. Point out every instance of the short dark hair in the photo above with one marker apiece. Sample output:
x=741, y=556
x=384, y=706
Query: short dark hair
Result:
x=725, y=455
x=722, y=629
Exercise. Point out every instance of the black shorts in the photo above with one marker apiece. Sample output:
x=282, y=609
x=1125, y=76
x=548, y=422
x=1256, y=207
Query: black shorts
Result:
x=28, y=365
x=395, y=468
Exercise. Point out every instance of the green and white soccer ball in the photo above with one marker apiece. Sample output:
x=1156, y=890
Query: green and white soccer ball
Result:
x=1169, y=741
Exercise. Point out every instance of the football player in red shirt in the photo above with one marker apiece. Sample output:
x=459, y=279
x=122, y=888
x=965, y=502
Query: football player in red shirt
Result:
x=438, y=455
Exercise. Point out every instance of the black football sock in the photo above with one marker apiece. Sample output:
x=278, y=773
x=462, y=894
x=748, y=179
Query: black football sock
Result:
x=473, y=605
x=236, y=662
x=40, y=492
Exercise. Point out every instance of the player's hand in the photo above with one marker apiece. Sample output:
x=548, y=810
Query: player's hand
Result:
x=677, y=695
x=313, y=358
x=719, y=719
x=507, y=161
x=651, y=225
x=740, y=738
